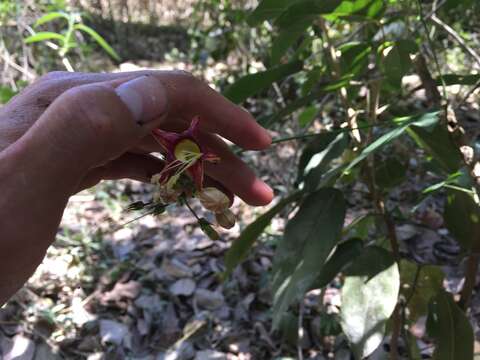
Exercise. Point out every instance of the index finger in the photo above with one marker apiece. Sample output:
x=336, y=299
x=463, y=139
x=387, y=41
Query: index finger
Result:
x=189, y=97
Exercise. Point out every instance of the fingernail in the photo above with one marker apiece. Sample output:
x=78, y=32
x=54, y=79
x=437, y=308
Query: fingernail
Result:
x=145, y=97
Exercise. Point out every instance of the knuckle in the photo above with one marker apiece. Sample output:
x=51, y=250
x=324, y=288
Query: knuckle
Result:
x=89, y=105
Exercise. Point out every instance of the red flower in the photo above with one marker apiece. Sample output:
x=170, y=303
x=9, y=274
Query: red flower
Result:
x=183, y=153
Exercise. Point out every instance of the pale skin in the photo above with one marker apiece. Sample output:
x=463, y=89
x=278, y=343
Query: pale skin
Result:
x=68, y=131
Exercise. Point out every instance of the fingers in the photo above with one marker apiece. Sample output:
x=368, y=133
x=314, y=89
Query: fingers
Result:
x=235, y=175
x=187, y=97
x=128, y=166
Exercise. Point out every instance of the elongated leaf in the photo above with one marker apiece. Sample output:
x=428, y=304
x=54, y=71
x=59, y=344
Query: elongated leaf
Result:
x=438, y=143
x=240, y=247
x=309, y=239
x=99, y=39
x=254, y=83
x=305, y=10
x=450, y=328
x=44, y=35
x=307, y=116
x=306, y=100
x=354, y=57
x=268, y=10
x=398, y=62
x=318, y=164
x=429, y=279
x=462, y=218
x=344, y=254
x=51, y=16
x=369, y=296
x=421, y=121
x=286, y=38
x=454, y=79
x=357, y=10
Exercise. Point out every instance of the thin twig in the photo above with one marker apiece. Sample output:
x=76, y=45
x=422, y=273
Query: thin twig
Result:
x=457, y=37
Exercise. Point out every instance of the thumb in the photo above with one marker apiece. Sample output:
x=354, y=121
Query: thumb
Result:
x=94, y=123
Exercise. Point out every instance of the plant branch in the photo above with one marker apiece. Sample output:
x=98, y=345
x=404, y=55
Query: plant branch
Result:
x=457, y=38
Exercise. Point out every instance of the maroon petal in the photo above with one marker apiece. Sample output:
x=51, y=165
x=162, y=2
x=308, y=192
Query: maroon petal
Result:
x=166, y=139
x=196, y=172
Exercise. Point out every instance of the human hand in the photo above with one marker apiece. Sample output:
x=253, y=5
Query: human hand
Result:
x=84, y=124
x=69, y=130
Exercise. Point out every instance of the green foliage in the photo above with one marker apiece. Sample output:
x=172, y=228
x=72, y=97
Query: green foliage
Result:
x=369, y=296
x=450, y=328
x=355, y=55
x=254, y=83
x=462, y=218
x=66, y=40
x=309, y=238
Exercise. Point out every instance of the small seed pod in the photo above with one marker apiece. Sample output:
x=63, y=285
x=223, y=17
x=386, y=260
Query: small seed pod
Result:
x=225, y=219
x=213, y=199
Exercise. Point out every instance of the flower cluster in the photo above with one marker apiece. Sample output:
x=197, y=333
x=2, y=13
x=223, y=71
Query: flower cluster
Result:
x=183, y=177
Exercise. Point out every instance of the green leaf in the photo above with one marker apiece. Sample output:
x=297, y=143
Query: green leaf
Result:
x=397, y=62
x=268, y=10
x=51, y=16
x=307, y=116
x=354, y=57
x=44, y=35
x=343, y=255
x=424, y=120
x=357, y=10
x=448, y=325
x=319, y=162
x=99, y=39
x=389, y=173
x=309, y=239
x=455, y=79
x=286, y=38
x=429, y=279
x=462, y=218
x=240, y=247
x=369, y=296
x=306, y=10
x=437, y=142
x=254, y=83
x=267, y=121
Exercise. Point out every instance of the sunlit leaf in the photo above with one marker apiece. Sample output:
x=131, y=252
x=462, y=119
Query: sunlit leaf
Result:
x=44, y=35
x=51, y=16
x=99, y=39
x=369, y=296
